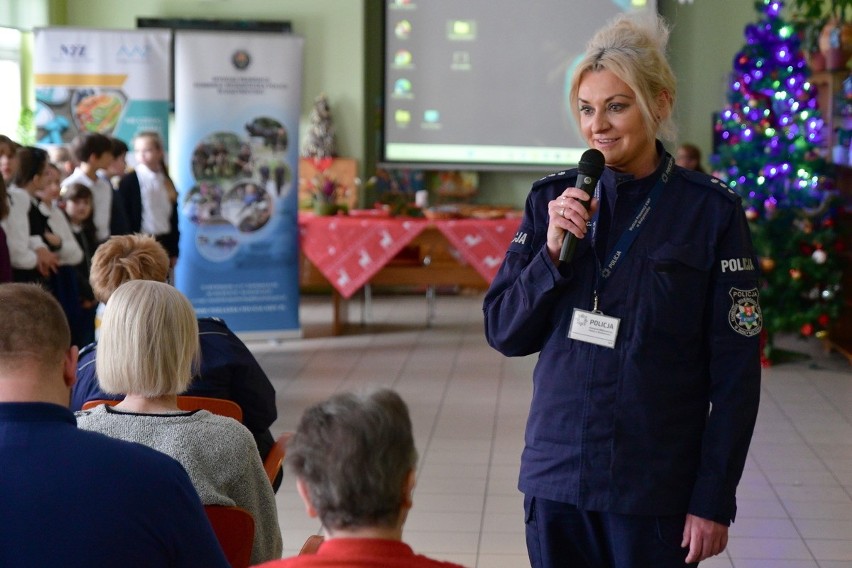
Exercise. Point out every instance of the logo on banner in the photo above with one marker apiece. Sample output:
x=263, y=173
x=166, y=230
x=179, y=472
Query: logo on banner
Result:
x=241, y=59
x=73, y=51
x=132, y=53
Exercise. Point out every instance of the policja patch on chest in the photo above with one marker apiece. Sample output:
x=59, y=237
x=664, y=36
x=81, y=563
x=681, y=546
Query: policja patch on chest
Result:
x=744, y=316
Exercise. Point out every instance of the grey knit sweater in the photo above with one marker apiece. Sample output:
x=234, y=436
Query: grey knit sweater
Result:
x=218, y=453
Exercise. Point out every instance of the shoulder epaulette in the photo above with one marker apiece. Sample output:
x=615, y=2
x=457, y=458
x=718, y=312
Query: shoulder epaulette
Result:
x=707, y=180
x=555, y=176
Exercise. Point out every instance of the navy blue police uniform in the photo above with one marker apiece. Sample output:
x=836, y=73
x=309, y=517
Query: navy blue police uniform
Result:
x=228, y=371
x=659, y=424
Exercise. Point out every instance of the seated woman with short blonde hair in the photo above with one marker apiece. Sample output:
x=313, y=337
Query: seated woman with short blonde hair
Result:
x=149, y=352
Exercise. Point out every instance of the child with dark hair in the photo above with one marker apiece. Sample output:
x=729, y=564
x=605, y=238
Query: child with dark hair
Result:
x=94, y=152
x=31, y=243
x=119, y=223
x=76, y=201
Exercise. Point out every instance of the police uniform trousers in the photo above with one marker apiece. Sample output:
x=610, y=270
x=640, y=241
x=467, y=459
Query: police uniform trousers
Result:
x=561, y=536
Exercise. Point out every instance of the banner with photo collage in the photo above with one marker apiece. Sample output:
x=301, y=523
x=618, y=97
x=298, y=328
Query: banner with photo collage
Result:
x=237, y=108
x=116, y=82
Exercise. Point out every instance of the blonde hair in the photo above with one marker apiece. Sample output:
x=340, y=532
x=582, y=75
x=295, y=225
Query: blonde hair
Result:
x=123, y=258
x=149, y=341
x=633, y=48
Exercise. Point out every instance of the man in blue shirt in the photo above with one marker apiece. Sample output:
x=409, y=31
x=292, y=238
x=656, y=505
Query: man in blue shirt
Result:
x=75, y=498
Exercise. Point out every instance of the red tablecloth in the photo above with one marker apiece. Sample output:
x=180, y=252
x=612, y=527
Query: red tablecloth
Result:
x=349, y=251
x=482, y=243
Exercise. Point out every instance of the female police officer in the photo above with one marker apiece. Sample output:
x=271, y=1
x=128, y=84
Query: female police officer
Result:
x=647, y=383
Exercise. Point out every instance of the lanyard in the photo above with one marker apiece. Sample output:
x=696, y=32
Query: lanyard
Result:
x=628, y=237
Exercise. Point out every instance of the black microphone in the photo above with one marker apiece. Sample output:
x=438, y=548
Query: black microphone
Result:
x=589, y=170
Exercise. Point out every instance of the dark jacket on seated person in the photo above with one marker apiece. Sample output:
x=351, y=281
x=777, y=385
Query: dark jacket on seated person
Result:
x=102, y=502
x=228, y=371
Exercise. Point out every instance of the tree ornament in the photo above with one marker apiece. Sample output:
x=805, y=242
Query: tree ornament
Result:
x=795, y=274
x=767, y=264
x=819, y=256
x=823, y=320
x=807, y=330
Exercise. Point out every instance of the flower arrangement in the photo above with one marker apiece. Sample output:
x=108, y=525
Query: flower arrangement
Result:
x=326, y=194
x=324, y=188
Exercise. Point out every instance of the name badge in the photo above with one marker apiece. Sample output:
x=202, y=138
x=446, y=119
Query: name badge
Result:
x=594, y=327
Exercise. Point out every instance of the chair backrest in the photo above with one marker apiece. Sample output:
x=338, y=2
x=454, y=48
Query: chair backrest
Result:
x=218, y=406
x=275, y=458
x=234, y=527
x=312, y=544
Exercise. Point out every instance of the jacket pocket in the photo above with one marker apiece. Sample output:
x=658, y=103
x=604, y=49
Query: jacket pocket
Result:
x=677, y=282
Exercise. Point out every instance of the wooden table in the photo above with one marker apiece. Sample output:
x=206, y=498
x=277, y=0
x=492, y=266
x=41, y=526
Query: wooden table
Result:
x=350, y=253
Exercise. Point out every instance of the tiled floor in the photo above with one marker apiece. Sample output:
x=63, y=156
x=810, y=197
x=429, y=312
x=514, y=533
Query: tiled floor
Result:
x=469, y=405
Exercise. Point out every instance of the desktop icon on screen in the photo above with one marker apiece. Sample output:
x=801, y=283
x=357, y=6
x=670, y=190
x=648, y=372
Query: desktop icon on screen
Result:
x=402, y=118
x=402, y=88
x=463, y=30
x=402, y=58
x=402, y=29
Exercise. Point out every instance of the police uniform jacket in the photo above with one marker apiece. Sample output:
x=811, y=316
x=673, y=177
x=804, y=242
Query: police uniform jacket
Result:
x=659, y=424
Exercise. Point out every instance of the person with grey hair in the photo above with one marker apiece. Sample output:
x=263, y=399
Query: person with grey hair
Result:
x=354, y=460
x=647, y=382
x=148, y=352
x=73, y=498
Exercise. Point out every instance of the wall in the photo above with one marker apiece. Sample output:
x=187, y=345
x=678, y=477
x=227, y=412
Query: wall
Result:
x=705, y=37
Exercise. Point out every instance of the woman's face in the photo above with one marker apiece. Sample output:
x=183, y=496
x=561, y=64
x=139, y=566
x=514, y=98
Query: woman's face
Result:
x=611, y=121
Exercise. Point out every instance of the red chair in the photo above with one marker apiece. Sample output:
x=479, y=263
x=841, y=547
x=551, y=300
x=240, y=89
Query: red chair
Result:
x=234, y=527
x=312, y=544
x=275, y=457
x=218, y=406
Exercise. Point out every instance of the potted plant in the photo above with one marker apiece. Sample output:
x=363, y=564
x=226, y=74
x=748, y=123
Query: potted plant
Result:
x=825, y=22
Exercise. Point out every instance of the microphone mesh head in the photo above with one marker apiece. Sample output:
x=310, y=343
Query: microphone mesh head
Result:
x=591, y=163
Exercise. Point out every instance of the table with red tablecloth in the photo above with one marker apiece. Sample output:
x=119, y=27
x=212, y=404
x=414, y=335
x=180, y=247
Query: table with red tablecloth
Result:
x=351, y=252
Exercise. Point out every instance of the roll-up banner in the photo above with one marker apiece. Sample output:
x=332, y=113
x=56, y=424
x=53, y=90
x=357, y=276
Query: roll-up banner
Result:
x=237, y=108
x=116, y=82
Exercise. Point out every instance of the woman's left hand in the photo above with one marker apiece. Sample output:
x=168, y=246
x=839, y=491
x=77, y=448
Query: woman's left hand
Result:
x=704, y=538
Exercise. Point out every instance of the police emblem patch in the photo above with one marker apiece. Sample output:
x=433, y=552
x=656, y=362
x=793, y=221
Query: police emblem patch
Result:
x=745, y=317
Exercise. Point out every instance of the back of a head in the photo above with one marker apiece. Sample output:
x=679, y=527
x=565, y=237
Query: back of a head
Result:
x=85, y=146
x=149, y=341
x=119, y=147
x=633, y=47
x=33, y=327
x=355, y=452
x=123, y=258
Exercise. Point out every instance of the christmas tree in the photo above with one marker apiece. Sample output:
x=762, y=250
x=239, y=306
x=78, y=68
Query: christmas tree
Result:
x=771, y=153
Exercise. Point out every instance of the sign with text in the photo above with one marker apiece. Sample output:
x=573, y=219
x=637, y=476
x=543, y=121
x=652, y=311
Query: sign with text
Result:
x=237, y=107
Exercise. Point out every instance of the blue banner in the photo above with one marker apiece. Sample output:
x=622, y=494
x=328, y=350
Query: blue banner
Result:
x=237, y=108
